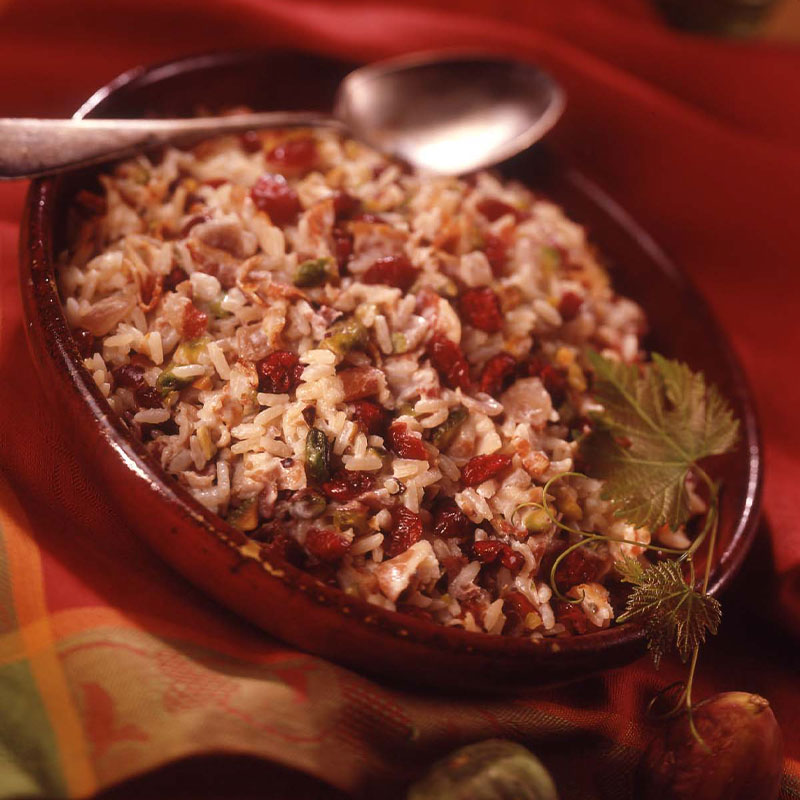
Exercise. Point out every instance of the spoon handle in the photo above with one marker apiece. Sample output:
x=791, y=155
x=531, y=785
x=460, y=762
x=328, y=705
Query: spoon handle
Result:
x=31, y=148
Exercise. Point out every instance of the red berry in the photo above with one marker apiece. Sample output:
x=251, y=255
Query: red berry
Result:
x=555, y=382
x=279, y=372
x=406, y=444
x=450, y=521
x=273, y=195
x=496, y=373
x=511, y=559
x=487, y=551
x=569, y=306
x=481, y=309
x=344, y=204
x=194, y=322
x=130, y=376
x=406, y=530
x=579, y=566
x=325, y=544
x=493, y=209
x=370, y=416
x=295, y=155
x=344, y=486
x=342, y=246
x=393, y=271
x=448, y=360
x=517, y=605
x=250, y=141
x=481, y=468
x=571, y=616
x=496, y=252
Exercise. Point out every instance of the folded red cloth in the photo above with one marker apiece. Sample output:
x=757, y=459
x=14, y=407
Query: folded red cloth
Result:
x=697, y=138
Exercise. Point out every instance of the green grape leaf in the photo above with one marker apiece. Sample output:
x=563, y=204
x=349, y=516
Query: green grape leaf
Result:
x=672, y=613
x=658, y=420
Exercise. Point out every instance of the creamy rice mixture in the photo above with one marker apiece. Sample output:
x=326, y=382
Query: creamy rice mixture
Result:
x=371, y=372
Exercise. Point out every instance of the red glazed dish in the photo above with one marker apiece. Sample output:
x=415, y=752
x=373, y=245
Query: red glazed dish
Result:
x=280, y=598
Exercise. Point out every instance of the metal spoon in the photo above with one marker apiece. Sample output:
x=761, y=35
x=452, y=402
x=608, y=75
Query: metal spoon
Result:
x=447, y=113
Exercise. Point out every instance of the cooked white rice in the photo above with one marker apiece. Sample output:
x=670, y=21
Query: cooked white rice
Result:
x=312, y=359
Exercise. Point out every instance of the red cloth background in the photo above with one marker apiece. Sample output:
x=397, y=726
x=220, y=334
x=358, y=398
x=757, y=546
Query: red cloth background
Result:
x=698, y=138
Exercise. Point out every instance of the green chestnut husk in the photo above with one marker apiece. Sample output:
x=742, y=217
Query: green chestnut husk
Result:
x=740, y=756
x=490, y=770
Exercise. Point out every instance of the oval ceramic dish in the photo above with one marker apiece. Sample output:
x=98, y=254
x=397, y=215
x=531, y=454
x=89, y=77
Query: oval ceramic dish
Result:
x=281, y=599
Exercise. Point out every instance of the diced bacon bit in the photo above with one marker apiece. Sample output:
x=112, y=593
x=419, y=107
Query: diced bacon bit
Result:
x=449, y=361
x=569, y=306
x=360, y=382
x=85, y=341
x=194, y=322
x=325, y=544
x=250, y=141
x=176, y=275
x=449, y=521
x=571, y=617
x=393, y=270
x=279, y=372
x=481, y=468
x=496, y=252
x=515, y=604
x=298, y=154
x=404, y=443
x=582, y=565
x=493, y=209
x=489, y=551
x=344, y=204
x=497, y=373
x=481, y=309
x=345, y=486
x=406, y=531
x=371, y=417
x=272, y=194
x=93, y=203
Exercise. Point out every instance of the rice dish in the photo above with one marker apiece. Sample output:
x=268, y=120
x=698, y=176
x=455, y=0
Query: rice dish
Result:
x=373, y=373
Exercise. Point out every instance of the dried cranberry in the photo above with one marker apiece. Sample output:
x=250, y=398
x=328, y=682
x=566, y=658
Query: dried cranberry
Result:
x=85, y=341
x=325, y=544
x=250, y=141
x=497, y=373
x=273, y=195
x=176, y=275
x=481, y=309
x=481, y=468
x=496, y=253
x=279, y=372
x=493, y=209
x=344, y=486
x=393, y=271
x=148, y=397
x=450, y=521
x=571, y=617
x=569, y=306
x=342, y=246
x=511, y=559
x=344, y=204
x=555, y=382
x=406, y=530
x=401, y=441
x=448, y=360
x=515, y=604
x=370, y=416
x=194, y=322
x=296, y=155
x=579, y=566
x=487, y=551
x=130, y=376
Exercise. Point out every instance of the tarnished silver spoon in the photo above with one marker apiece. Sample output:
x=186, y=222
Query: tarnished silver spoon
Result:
x=447, y=113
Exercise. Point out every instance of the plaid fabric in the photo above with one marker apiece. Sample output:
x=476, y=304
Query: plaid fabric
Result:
x=111, y=665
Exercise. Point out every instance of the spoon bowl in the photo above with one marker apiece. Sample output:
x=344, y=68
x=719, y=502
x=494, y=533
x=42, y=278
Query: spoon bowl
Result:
x=447, y=114
x=450, y=114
